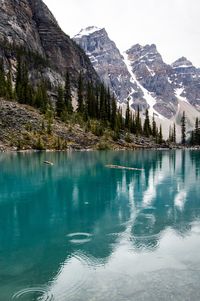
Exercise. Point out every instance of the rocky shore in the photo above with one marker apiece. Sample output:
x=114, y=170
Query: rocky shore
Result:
x=25, y=128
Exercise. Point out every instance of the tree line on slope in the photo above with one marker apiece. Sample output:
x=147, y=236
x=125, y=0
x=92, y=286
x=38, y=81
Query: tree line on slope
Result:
x=94, y=102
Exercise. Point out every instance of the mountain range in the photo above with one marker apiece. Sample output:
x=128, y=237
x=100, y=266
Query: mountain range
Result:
x=141, y=76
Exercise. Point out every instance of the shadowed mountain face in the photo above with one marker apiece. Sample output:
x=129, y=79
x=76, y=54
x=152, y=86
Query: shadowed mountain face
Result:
x=142, y=75
x=30, y=24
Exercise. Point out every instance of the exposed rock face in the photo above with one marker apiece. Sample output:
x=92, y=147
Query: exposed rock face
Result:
x=108, y=62
x=30, y=24
x=186, y=80
x=153, y=74
x=142, y=75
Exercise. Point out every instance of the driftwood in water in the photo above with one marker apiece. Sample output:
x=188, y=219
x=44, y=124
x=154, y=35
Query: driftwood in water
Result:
x=48, y=162
x=123, y=167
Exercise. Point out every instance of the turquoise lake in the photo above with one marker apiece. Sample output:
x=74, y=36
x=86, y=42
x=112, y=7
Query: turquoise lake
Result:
x=80, y=231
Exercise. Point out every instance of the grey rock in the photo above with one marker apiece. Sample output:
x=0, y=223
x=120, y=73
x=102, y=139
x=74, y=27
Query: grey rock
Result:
x=30, y=24
x=108, y=62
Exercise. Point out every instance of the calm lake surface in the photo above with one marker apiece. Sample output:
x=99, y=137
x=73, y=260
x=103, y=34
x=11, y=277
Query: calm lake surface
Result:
x=79, y=231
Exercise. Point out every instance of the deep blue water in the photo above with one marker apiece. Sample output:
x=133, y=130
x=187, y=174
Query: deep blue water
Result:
x=81, y=231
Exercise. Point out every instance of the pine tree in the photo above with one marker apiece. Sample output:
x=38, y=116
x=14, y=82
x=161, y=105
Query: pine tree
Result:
x=80, y=107
x=113, y=112
x=9, y=89
x=18, y=84
x=67, y=94
x=160, y=136
x=174, y=133
x=2, y=80
x=197, y=132
x=133, y=126
x=170, y=134
x=138, y=123
x=183, y=129
x=60, y=105
x=147, y=127
x=192, y=139
x=154, y=127
x=127, y=119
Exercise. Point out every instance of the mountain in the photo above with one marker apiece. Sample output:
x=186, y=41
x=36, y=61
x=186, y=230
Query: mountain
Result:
x=29, y=25
x=141, y=75
x=108, y=62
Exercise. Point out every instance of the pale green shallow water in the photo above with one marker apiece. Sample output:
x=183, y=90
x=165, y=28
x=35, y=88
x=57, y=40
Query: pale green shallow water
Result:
x=78, y=231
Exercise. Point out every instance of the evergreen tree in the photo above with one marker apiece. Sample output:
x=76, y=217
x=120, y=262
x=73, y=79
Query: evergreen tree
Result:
x=154, y=127
x=67, y=94
x=9, y=89
x=183, y=129
x=160, y=136
x=170, y=134
x=147, y=127
x=127, y=118
x=113, y=112
x=2, y=80
x=138, y=123
x=80, y=107
x=18, y=85
x=102, y=103
x=60, y=105
x=197, y=132
x=174, y=133
x=192, y=138
x=133, y=126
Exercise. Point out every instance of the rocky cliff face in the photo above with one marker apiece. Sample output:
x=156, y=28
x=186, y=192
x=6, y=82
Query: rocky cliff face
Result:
x=186, y=80
x=108, y=62
x=153, y=74
x=143, y=76
x=30, y=24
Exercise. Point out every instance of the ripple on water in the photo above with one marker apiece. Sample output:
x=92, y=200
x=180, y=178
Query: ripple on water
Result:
x=79, y=237
x=33, y=294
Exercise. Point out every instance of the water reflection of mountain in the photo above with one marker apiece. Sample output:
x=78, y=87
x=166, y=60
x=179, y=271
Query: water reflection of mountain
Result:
x=40, y=205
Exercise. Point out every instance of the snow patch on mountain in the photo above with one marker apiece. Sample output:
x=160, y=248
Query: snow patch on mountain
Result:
x=178, y=93
x=87, y=31
x=151, y=101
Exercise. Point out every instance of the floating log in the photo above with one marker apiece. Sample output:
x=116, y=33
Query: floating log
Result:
x=123, y=167
x=48, y=162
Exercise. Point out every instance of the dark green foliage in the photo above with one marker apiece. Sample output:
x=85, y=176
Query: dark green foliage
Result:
x=67, y=94
x=80, y=107
x=60, y=104
x=174, y=134
x=24, y=92
x=183, y=129
x=41, y=99
x=128, y=117
x=2, y=80
x=138, y=123
x=160, y=136
x=154, y=127
x=195, y=134
x=128, y=138
x=113, y=119
x=9, y=89
x=147, y=127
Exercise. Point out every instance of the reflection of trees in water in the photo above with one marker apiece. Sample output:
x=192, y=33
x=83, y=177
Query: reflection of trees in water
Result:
x=78, y=194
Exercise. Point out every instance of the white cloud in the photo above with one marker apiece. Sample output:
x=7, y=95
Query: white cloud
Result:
x=173, y=25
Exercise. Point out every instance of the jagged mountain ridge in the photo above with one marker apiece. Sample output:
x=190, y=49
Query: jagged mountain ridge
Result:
x=108, y=62
x=152, y=83
x=30, y=24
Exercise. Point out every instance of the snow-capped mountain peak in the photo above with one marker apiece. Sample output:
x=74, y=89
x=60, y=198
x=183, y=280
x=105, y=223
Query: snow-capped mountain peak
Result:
x=87, y=31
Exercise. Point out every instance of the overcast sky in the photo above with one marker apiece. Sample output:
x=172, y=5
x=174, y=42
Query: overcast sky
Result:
x=173, y=25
